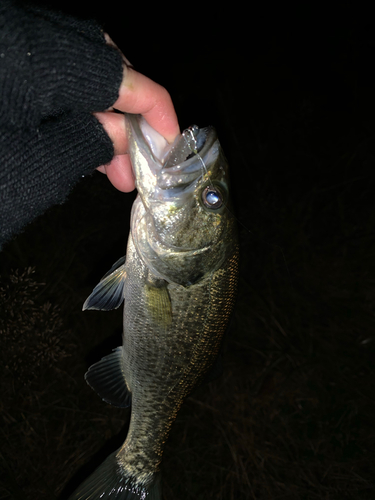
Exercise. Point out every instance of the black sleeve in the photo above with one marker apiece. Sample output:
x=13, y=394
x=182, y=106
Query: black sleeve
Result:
x=55, y=71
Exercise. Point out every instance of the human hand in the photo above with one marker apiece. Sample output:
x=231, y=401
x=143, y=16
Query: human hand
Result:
x=139, y=95
x=55, y=72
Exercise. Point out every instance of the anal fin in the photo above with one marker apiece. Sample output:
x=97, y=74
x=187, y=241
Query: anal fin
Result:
x=107, y=378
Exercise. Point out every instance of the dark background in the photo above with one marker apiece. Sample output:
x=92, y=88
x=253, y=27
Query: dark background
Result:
x=290, y=90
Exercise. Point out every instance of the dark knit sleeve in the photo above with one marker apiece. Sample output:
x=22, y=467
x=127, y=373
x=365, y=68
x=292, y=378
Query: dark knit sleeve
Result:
x=55, y=71
x=41, y=167
x=51, y=63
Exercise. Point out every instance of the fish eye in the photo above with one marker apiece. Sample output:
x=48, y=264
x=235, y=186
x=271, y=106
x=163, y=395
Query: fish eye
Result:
x=212, y=198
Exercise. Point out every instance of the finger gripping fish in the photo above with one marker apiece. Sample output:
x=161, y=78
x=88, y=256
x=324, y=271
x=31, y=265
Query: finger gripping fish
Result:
x=178, y=284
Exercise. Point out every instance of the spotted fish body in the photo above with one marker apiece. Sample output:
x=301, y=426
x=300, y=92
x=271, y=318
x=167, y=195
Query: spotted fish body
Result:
x=178, y=283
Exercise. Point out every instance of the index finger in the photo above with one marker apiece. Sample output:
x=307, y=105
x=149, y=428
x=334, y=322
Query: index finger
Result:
x=140, y=95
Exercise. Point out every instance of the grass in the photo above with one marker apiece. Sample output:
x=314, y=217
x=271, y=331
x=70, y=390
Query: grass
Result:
x=292, y=417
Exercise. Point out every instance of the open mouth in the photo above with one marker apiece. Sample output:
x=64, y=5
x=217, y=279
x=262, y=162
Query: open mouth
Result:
x=175, y=167
x=186, y=146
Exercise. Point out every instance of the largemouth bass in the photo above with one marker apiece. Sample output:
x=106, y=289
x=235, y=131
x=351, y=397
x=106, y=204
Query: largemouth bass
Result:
x=178, y=283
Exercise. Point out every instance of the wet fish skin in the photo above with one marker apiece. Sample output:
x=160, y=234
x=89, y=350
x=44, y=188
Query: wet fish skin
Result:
x=178, y=283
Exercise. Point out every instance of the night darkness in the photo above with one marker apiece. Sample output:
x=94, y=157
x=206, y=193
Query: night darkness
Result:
x=291, y=93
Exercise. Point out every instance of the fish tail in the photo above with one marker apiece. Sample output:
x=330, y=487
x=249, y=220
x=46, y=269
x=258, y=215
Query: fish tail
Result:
x=110, y=481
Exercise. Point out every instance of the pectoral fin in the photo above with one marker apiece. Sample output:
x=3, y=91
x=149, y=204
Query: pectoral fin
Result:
x=159, y=304
x=107, y=378
x=109, y=292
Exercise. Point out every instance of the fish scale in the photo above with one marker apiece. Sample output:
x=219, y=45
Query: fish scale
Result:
x=197, y=335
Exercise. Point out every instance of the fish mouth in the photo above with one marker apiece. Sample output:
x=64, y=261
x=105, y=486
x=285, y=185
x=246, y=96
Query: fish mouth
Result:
x=169, y=170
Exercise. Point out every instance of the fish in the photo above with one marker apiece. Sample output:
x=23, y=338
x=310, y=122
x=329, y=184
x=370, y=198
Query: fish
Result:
x=178, y=283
